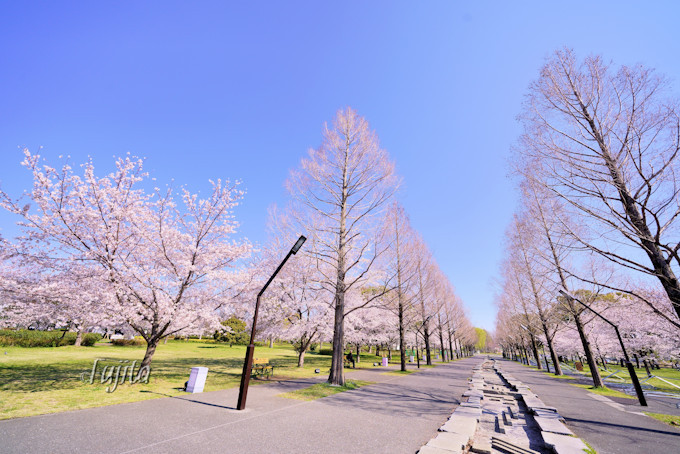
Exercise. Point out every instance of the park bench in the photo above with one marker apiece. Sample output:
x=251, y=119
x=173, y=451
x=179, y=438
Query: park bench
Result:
x=347, y=363
x=261, y=367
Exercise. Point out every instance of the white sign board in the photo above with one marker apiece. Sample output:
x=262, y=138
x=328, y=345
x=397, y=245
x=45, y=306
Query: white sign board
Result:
x=197, y=379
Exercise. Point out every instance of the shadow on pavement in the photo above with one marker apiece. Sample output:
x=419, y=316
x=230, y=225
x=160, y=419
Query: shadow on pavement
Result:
x=189, y=400
x=621, y=426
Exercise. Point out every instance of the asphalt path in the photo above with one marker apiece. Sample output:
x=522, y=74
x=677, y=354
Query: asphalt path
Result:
x=397, y=414
x=608, y=426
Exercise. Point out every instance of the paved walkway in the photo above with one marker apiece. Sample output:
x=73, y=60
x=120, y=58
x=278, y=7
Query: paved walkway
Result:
x=396, y=415
x=610, y=428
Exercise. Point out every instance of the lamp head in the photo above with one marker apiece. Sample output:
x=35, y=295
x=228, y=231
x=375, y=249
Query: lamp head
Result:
x=298, y=244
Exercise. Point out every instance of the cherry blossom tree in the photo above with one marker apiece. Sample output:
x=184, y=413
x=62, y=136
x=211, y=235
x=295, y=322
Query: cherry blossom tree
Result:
x=163, y=260
x=371, y=326
x=294, y=307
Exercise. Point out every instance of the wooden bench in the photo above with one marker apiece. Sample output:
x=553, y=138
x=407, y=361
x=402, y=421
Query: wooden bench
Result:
x=347, y=363
x=261, y=367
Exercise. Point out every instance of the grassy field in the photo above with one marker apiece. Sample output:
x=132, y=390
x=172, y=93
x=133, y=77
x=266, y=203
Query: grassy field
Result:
x=319, y=390
x=399, y=372
x=672, y=375
x=604, y=391
x=671, y=420
x=562, y=377
x=36, y=381
x=41, y=380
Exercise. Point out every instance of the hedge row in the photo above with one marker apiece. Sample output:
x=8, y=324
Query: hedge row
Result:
x=127, y=342
x=34, y=338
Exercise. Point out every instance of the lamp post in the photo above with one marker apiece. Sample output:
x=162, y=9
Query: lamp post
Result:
x=248, y=363
x=629, y=365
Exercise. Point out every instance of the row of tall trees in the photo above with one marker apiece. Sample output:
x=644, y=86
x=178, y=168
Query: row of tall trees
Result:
x=598, y=218
x=369, y=276
x=113, y=251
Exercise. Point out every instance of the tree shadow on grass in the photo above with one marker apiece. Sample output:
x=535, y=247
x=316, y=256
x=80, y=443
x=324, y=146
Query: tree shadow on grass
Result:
x=34, y=378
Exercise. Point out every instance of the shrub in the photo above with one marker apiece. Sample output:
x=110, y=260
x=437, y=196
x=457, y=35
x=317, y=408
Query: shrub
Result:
x=35, y=338
x=233, y=333
x=326, y=351
x=90, y=339
x=127, y=342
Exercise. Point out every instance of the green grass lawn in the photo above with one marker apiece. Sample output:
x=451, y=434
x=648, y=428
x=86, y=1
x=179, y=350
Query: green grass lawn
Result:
x=319, y=390
x=562, y=377
x=35, y=381
x=671, y=420
x=604, y=391
x=672, y=375
x=400, y=372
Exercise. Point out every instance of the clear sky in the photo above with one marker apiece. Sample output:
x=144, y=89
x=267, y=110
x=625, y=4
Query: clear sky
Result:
x=240, y=90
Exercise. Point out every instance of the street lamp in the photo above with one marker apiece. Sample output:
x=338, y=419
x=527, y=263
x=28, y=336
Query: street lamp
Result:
x=248, y=363
x=629, y=365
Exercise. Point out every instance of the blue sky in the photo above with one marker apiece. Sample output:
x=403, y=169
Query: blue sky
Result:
x=240, y=91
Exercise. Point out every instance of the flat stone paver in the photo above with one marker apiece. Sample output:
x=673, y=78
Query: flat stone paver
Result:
x=564, y=444
x=398, y=414
x=552, y=425
x=449, y=440
x=607, y=428
x=461, y=424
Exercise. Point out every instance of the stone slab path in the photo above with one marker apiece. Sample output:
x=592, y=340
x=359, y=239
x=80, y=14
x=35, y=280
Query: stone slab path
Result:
x=610, y=428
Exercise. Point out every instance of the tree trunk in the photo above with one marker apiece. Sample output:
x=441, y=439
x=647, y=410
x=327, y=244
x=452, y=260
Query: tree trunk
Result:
x=450, y=347
x=79, y=338
x=301, y=358
x=400, y=298
x=441, y=338
x=336, y=376
x=402, y=350
x=604, y=362
x=535, y=348
x=151, y=345
x=358, y=353
x=417, y=351
x=426, y=336
x=594, y=371
x=553, y=355
x=597, y=380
